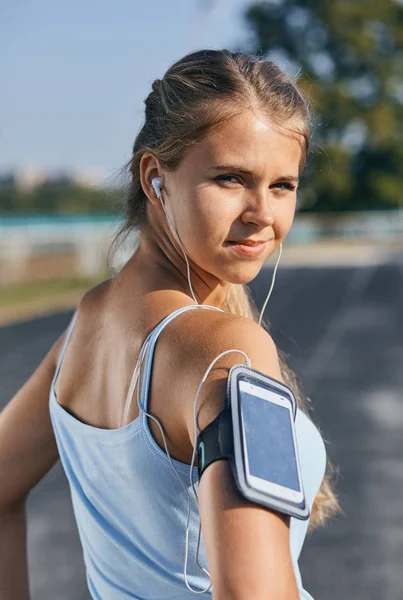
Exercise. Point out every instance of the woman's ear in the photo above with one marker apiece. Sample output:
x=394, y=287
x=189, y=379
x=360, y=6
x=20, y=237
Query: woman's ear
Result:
x=149, y=168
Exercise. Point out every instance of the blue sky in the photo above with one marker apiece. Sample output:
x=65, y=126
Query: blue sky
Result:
x=74, y=74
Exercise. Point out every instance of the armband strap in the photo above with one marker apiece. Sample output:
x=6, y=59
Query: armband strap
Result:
x=216, y=441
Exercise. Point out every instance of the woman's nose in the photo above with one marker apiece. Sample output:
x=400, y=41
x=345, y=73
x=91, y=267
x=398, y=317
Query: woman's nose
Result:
x=259, y=210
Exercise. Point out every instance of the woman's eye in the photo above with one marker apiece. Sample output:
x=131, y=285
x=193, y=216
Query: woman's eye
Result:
x=285, y=186
x=227, y=178
x=233, y=179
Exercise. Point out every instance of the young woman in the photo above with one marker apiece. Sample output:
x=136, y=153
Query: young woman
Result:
x=227, y=135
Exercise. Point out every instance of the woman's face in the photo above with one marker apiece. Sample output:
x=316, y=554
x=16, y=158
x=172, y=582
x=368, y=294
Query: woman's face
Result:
x=239, y=182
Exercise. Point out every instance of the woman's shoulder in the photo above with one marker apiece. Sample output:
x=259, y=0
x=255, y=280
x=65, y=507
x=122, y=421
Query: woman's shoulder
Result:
x=198, y=337
x=203, y=332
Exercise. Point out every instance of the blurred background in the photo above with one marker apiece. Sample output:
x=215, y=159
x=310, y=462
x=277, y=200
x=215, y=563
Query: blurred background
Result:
x=73, y=79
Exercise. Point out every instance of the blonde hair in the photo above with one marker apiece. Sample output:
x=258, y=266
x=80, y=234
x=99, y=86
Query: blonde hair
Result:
x=198, y=93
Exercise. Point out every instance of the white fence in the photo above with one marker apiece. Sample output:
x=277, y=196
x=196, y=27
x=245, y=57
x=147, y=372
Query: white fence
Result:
x=60, y=248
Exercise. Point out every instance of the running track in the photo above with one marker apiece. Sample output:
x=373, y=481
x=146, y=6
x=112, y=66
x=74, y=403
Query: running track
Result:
x=343, y=330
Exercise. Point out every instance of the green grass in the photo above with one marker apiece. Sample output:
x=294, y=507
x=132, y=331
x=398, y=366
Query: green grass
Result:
x=23, y=294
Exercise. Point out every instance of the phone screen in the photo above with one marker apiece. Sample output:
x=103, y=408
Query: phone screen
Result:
x=269, y=440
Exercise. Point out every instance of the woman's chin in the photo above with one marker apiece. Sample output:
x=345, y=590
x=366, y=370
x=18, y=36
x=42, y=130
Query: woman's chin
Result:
x=243, y=276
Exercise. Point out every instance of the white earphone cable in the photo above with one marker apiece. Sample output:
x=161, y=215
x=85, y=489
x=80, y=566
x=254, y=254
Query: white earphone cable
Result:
x=137, y=376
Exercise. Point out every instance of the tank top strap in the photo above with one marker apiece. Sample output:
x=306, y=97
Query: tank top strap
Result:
x=66, y=341
x=149, y=350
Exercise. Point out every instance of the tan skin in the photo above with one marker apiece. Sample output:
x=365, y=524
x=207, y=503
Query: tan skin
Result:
x=247, y=546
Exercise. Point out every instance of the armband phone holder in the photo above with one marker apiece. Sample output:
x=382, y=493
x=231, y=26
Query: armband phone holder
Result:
x=223, y=439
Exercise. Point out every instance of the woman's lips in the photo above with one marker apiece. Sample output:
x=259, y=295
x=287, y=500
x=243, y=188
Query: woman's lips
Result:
x=245, y=250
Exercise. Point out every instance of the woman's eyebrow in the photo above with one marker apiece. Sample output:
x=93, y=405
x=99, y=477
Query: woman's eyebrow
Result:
x=232, y=168
x=289, y=178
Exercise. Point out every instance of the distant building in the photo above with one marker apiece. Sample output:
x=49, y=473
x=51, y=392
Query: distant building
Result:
x=88, y=177
x=27, y=178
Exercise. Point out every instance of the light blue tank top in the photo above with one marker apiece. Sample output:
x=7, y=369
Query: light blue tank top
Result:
x=130, y=508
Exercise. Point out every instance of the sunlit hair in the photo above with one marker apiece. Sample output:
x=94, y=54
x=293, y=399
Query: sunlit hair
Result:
x=198, y=93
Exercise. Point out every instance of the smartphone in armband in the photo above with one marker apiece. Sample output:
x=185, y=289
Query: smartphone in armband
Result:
x=256, y=433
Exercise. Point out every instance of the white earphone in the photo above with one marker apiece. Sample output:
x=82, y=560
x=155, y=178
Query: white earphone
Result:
x=156, y=182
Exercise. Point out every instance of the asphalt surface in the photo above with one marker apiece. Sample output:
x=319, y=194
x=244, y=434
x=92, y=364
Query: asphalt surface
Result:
x=342, y=328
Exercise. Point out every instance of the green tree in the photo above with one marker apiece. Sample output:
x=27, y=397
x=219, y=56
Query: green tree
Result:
x=347, y=56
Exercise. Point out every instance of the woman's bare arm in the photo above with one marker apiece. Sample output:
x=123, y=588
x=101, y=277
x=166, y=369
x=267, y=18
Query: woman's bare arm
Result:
x=247, y=545
x=27, y=451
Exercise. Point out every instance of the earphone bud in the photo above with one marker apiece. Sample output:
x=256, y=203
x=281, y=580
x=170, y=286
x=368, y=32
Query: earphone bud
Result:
x=156, y=182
